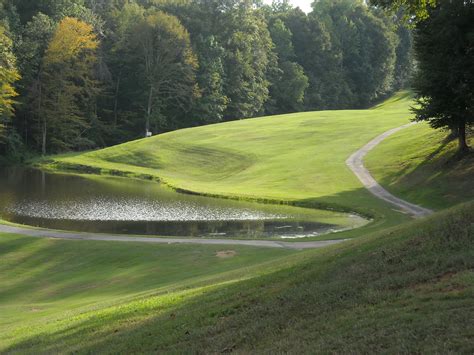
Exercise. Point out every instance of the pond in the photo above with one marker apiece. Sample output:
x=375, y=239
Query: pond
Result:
x=128, y=206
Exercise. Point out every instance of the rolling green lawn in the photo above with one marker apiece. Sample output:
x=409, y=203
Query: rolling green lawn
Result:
x=410, y=289
x=43, y=281
x=423, y=170
x=295, y=157
x=402, y=286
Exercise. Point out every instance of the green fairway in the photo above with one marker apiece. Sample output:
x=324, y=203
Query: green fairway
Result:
x=297, y=157
x=408, y=289
x=417, y=164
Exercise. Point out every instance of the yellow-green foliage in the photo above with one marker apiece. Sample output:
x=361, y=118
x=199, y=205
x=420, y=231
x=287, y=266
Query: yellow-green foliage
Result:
x=66, y=85
x=72, y=38
x=8, y=76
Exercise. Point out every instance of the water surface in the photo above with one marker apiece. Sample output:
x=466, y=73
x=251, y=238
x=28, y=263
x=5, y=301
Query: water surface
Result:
x=129, y=206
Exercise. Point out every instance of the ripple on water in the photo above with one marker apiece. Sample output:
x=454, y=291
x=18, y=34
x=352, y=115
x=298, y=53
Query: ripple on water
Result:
x=100, y=209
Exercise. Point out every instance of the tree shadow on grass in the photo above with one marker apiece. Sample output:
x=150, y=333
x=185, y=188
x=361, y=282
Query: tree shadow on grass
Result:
x=440, y=180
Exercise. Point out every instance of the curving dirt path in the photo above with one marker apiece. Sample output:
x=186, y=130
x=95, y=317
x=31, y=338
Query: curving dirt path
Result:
x=356, y=164
x=46, y=233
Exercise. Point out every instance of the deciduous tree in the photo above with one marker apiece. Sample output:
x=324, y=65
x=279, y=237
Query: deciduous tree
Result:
x=167, y=65
x=8, y=76
x=68, y=86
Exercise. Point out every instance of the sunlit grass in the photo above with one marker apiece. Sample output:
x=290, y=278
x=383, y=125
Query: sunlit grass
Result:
x=295, y=157
x=419, y=164
x=407, y=288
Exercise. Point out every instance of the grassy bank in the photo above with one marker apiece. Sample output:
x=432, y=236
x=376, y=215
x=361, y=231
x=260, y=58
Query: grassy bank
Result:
x=48, y=280
x=419, y=165
x=410, y=289
x=297, y=157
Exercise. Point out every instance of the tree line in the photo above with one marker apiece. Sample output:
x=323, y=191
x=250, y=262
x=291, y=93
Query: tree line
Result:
x=80, y=74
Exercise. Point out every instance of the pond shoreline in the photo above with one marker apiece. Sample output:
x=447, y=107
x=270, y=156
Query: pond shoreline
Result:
x=51, y=234
x=122, y=206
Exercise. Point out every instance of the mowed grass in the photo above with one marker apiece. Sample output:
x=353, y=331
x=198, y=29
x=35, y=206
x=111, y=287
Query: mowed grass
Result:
x=295, y=157
x=404, y=288
x=46, y=281
x=419, y=164
x=408, y=289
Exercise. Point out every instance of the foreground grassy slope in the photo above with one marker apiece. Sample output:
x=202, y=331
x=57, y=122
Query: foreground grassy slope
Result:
x=409, y=289
x=291, y=157
x=45, y=280
x=418, y=164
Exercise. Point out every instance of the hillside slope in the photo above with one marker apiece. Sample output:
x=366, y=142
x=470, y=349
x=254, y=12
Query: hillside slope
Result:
x=298, y=156
x=410, y=289
x=47, y=281
x=407, y=288
x=419, y=164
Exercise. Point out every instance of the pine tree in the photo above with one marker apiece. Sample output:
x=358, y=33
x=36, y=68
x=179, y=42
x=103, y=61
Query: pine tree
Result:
x=444, y=82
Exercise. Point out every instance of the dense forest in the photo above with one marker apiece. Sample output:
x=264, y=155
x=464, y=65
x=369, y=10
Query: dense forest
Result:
x=81, y=74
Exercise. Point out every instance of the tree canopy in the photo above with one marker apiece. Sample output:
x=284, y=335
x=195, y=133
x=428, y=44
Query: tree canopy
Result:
x=67, y=86
x=100, y=72
x=418, y=9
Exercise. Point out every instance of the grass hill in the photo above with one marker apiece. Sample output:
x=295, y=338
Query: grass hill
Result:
x=297, y=157
x=293, y=157
x=402, y=286
x=409, y=289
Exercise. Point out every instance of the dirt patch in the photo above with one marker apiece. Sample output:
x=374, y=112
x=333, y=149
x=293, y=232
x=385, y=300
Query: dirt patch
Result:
x=445, y=283
x=225, y=254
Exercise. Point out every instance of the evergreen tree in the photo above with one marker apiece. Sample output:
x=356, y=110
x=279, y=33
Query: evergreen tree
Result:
x=444, y=82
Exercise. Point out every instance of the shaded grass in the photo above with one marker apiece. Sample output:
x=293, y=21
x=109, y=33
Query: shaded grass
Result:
x=43, y=280
x=419, y=164
x=407, y=290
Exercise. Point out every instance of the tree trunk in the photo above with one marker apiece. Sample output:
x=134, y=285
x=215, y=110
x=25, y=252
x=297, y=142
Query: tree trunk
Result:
x=453, y=133
x=44, y=127
x=148, y=111
x=463, y=147
x=43, y=145
x=117, y=90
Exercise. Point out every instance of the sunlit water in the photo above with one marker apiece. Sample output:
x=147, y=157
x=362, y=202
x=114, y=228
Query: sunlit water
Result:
x=106, y=209
x=117, y=205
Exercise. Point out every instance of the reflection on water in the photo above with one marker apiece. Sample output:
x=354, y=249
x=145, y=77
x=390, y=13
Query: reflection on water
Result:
x=117, y=205
x=109, y=209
